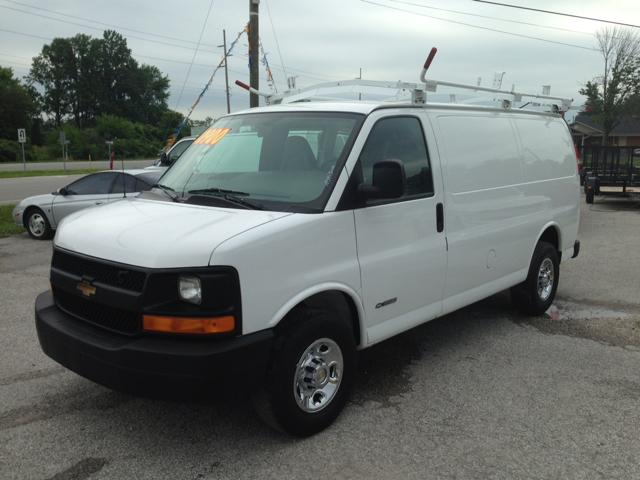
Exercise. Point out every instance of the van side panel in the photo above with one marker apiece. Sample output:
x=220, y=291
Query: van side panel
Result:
x=547, y=150
x=549, y=156
x=501, y=190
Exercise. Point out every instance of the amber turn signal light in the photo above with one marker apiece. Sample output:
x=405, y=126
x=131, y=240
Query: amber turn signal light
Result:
x=188, y=325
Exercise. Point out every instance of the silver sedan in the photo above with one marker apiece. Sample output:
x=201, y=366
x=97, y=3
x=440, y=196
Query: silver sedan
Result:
x=41, y=214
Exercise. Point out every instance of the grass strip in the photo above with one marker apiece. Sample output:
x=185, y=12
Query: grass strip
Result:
x=43, y=173
x=7, y=225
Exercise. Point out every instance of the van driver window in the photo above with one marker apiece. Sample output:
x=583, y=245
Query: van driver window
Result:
x=400, y=138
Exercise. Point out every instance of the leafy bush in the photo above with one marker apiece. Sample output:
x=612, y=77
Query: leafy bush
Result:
x=43, y=154
x=111, y=127
x=11, y=151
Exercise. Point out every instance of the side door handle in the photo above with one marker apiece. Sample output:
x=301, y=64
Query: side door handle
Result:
x=440, y=217
x=99, y=202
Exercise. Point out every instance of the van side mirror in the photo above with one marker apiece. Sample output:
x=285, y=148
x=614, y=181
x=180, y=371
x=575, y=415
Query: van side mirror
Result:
x=164, y=160
x=388, y=181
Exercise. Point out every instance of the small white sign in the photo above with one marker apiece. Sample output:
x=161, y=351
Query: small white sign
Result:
x=62, y=138
x=22, y=135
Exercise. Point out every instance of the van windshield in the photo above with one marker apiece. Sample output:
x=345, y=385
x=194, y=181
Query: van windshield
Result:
x=282, y=161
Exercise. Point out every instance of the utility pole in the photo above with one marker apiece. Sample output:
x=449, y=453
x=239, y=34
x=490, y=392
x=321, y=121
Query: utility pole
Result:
x=254, y=48
x=226, y=70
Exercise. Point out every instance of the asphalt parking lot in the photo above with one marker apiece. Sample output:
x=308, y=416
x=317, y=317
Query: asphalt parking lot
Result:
x=482, y=393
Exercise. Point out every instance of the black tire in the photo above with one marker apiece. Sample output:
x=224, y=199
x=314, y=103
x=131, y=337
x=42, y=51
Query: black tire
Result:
x=38, y=225
x=535, y=295
x=298, y=395
x=589, y=195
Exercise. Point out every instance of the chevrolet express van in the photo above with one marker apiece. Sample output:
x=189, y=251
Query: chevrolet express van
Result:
x=288, y=237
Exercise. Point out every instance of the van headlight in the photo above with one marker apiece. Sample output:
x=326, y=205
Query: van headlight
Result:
x=189, y=289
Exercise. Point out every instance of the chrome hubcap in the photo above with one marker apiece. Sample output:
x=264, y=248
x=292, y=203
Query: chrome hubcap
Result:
x=545, y=279
x=36, y=224
x=318, y=375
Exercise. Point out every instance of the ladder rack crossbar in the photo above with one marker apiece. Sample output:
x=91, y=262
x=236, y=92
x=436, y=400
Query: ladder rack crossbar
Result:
x=432, y=85
x=356, y=87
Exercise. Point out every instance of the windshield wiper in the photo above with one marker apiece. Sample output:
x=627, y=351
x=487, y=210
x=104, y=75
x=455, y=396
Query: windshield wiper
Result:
x=219, y=190
x=167, y=190
x=227, y=195
x=242, y=201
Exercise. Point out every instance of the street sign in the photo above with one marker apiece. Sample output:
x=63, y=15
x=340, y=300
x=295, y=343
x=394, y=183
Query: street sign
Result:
x=62, y=138
x=109, y=142
x=22, y=138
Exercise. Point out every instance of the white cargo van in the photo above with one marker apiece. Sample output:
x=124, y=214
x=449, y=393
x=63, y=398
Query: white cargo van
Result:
x=290, y=236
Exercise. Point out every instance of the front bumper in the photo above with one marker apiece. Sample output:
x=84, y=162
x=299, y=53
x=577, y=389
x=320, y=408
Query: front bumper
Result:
x=17, y=213
x=172, y=368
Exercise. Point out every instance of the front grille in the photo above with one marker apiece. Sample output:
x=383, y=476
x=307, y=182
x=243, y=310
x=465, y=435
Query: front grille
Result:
x=112, y=318
x=108, y=274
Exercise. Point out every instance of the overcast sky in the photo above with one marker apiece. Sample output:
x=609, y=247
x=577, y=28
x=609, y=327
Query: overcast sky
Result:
x=327, y=40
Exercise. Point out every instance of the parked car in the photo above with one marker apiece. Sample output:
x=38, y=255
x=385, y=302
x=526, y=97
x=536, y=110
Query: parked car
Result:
x=167, y=158
x=41, y=214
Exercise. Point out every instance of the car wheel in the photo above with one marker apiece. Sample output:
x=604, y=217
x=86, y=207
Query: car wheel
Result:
x=38, y=225
x=310, y=373
x=535, y=295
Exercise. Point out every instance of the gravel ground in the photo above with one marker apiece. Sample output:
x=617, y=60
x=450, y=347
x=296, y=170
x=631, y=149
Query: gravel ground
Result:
x=482, y=393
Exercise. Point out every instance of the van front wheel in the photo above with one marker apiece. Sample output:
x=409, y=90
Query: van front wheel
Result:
x=310, y=373
x=535, y=295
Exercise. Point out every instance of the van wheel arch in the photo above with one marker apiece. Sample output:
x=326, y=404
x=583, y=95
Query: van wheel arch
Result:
x=337, y=303
x=552, y=236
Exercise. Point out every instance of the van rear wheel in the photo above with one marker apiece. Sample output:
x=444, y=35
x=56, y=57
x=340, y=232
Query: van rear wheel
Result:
x=535, y=295
x=310, y=373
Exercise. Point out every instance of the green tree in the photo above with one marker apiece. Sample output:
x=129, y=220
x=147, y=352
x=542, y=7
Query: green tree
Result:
x=18, y=105
x=147, y=96
x=613, y=94
x=201, y=123
x=84, y=78
x=50, y=69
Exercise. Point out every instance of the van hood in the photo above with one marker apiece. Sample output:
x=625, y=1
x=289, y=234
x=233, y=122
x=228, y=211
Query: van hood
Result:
x=155, y=234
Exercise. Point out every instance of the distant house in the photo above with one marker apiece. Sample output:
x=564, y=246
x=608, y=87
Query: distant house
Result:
x=588, y=134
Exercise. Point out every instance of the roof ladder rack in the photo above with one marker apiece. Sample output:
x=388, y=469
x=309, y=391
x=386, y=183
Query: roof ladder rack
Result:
x=418, y=91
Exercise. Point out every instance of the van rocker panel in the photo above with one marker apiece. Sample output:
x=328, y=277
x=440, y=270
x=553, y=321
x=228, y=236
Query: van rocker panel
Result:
x=153, y=367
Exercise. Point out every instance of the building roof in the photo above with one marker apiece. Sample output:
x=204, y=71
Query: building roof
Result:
x=630, y=125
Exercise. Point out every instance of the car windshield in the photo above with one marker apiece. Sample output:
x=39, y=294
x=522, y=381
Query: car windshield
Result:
x=280, y=161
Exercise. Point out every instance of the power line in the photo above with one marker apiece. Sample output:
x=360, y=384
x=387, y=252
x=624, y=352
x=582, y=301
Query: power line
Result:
x=477, y=26
x=558, y=13
x=189, y=71
x=94, y=21
x=25, y=34
x=491, y=18
x=274, y=36
x=100, y=29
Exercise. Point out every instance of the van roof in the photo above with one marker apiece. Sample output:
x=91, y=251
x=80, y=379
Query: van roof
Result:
x=366, y=107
